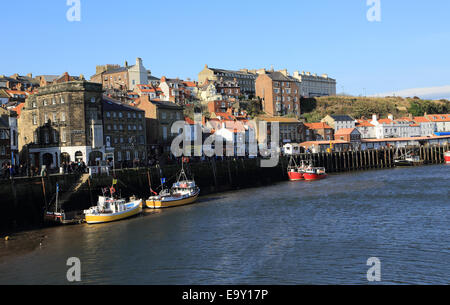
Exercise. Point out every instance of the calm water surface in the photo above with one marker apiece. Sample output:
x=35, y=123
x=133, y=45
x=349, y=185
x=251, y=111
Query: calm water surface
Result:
x=290, y=233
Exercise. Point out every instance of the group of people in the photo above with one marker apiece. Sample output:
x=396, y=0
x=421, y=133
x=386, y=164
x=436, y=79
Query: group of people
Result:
x=74, y=167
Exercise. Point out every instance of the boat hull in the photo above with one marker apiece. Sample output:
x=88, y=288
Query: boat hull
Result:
x=403, y=163
x=447, y=157
x=104, y=218
x=313, y=177
x=295, y=176
x=162, y=204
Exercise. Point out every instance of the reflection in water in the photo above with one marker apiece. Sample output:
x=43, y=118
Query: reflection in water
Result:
x=290, y=233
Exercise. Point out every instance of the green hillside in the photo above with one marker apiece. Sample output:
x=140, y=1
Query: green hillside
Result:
x=314, y=109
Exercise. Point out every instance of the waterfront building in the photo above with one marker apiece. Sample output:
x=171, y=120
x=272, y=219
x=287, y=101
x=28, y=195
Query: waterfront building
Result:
x=245, y=78
x=390, y=128
x=313, y=85
x=159, y=117
x=62, y=122
x=351, y=135
x=366, y=129
x=441, y=121
x=339, y=121
x=279, y=93
x=124, y=133
x=427, y=127
x=319, y=131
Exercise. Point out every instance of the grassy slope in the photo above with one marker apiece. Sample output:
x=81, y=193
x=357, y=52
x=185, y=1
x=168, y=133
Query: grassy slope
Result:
x=317, y=108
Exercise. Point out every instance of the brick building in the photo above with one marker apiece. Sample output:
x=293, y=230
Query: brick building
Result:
x=159, y=117
x=279, y=93
x=319, y=131
x=124, y=133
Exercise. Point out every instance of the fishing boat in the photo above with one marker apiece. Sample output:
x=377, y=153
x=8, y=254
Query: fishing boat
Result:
x=183, y=192
x=408, y=159
x=58, y=216
x=109, y=209
x=447, y=157
x=296, y=172
x=315, y=173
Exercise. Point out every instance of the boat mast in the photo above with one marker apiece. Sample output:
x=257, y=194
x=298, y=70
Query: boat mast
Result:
x=57, y=192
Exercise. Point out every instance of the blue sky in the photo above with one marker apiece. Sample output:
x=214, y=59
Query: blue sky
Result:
x=408, y=49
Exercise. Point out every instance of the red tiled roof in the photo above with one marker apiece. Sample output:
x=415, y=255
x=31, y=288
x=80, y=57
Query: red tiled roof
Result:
x=345, y=131
x=318, y=125
x=385, y=121
x=362, y=123
x=437, y=117
x=421, y=119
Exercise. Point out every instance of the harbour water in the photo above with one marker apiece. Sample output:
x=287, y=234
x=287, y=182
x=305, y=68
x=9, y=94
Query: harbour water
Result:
x=290, y=233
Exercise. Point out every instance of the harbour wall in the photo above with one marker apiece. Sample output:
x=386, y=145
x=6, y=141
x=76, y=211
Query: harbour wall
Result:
x=23, y=201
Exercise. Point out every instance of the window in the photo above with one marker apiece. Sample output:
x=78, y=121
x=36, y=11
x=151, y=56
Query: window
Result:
x=136, y=154
x=119, y=156
x=34, y=104
x=45, y=103
x=120, y=115
x=62, y=100
x=45, y=118
x=120, y=127
x=46, y=138
x=63, y=136
x=54, y=117
x=163, y=115
x=63, y=117
x=164, y=132
x=53, y=101
x=114, y=115
x=108, y=114
x=34, y=119
x=129, y=115
x=128, y=156
x=140, y=115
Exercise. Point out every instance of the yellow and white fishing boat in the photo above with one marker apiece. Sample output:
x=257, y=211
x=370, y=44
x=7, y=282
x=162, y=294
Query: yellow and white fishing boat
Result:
x=183, y=192
x=109, y=209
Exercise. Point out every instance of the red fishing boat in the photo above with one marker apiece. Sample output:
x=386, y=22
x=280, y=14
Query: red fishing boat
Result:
x=447, y=157
x=314, y=173
x=296, y=172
